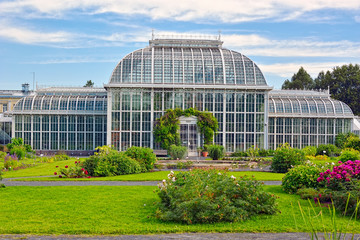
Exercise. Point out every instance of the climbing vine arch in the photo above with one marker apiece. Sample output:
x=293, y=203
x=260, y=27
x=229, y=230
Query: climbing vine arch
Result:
x=166, y=128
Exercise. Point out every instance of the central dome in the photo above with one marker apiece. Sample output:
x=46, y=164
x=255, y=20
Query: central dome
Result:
x=187, y=61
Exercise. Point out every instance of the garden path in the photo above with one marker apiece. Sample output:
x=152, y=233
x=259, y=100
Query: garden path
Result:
x=8, y=182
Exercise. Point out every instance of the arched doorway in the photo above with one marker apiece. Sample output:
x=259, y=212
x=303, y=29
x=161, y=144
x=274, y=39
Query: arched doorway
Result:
x=189, y=134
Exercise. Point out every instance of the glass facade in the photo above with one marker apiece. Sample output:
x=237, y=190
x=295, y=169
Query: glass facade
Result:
x=240, y=115
x=73, y=121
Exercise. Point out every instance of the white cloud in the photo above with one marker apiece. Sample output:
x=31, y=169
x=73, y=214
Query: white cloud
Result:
x=185, y=10
x=357, y=19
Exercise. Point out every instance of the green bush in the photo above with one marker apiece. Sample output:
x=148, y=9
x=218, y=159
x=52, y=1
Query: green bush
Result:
x=91, y=163
x=115, y=163
x=302, y=176
x=177, y=152
x=341, y=139
x=326, y=149
x=124, y=164
x=353, y=142
x=309, y=150
x=19, y=151
x=349, y=154
x=346, y=199
x=2, y=155
x=209, y=196
x=145, y=156
x=285, y=158
x=61, y=157
x=239, y=153
x=216, y=152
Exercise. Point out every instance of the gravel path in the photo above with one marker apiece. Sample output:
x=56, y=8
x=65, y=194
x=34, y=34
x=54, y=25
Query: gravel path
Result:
x=9, y=183
x=192, y=236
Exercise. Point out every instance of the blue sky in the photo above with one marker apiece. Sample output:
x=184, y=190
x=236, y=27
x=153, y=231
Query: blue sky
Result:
x=67, y=42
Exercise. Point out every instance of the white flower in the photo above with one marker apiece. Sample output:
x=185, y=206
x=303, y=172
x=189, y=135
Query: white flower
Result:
x=173, y=179
x=233, y=177
x=219, y=173
x=144, y=205
x=169, y=176
x=164, y=181
x=171, y=172
x=332, y=163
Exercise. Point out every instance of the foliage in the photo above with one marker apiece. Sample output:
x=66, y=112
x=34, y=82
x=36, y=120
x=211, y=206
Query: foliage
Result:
x=89, y=83
x=11, y=162
x=300, y=80
x=216, y=152
x=309, y=150
x=349, y=154
x=15, y=142
x=115, y=163
x=326, y=149
x=177, y=152
x=145, y=156
x=76, y=171
x=310, y=215
x=2, y=154
x=341, y=138
x=285, y=158
x=104, y=150
x=302, y=176
x=209, y=196
x=353, y=142
x=19, y=151
x=346, y=201
x=166, y=128
x=343, y=83
x=184, y=165
x=60, y=157
x=252, y=152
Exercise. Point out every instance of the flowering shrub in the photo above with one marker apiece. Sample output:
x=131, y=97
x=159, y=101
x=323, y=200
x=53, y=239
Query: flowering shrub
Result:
x=302, y=176
x=326, y=149
x=286, y=157
x=72, y=172
x=208, y=196
x=342, y=177
x=11, y=162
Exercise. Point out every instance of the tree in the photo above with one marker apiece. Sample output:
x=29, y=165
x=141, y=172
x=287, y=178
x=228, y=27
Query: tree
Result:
x=343, y=83
x=300, y=80
x=89, y=83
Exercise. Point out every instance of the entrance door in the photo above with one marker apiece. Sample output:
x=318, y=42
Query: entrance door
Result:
x=188, y=137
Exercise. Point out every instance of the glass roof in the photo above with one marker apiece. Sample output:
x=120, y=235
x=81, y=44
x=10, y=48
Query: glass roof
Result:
x=196, y=62
x=58, y=103
x=281, y=104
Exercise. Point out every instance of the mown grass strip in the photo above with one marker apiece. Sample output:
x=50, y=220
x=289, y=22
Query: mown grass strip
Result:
x=124, y=210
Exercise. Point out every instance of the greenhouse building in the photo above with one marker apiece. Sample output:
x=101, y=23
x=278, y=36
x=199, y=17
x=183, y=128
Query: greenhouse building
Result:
x=180, y=73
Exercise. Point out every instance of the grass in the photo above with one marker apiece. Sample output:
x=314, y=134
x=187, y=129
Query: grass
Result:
x=40, y=169
x=157, y=176
x=123, y=210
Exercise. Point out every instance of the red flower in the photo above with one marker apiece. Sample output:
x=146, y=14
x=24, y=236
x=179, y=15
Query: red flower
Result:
x=86, y=172
x=88, y=177
x=82, y=169
x=55, y=173
x=60, y=176
x=57, y=166
x=66, y=166
x=75, y=162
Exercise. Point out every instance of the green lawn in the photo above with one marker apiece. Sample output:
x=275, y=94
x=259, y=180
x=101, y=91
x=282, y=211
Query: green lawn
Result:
x=123, y=210
x=41, y=169
x=157, y=176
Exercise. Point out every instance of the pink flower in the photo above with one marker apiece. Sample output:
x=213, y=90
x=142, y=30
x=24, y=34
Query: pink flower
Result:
x=88, y=177
x=75, y=162
x=86, y=172
x=82, y=169
x=319, y=195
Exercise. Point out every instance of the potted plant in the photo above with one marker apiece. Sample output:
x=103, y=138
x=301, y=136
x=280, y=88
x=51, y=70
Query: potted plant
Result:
x=204, y=151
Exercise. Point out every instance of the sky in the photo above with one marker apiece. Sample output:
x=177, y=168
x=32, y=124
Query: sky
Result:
x=68, y=42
